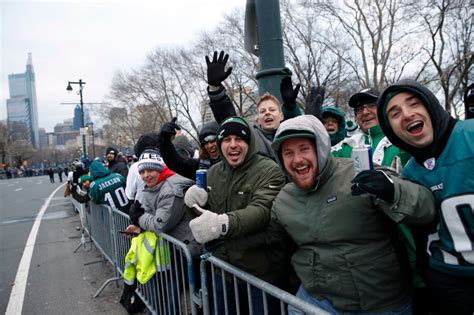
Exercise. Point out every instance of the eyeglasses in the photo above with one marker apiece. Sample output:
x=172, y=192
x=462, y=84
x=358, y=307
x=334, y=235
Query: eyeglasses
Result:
x=360, y=109
x=209, y=138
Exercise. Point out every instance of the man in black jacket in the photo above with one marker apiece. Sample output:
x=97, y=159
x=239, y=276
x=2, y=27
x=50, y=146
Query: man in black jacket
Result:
x=116, y=163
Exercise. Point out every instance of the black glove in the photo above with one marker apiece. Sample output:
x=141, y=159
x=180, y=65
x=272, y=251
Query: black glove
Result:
x=289, y=95
x=168, y=130
x=216, y=67
x=135, y=212
x=375, y=183
x=314, y=102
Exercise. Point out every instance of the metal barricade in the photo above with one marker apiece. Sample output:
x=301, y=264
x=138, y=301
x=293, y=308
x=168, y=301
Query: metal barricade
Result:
x=234, y=286
x=173, y=289
x=82, y=209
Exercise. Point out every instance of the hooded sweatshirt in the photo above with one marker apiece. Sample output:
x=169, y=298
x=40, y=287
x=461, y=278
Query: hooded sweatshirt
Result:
x=442, y=167
x=108, y=188
x=346, y=247
x=339, y=115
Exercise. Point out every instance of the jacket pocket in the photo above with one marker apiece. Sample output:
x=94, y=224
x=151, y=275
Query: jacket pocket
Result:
x=377, y=277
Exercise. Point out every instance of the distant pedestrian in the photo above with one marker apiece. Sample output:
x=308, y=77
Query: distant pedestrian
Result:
x=51, y=175
x=60, y=174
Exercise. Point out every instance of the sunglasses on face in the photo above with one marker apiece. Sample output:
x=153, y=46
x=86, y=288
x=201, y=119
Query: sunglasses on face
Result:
x=209, y=138
x=360, y=109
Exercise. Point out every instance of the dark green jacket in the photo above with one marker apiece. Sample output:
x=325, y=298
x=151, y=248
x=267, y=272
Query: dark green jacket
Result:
x=246, y=194
x=347, y=250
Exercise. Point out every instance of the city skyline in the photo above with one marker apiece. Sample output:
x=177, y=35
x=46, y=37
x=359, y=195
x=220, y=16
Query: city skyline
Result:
x=92, y=41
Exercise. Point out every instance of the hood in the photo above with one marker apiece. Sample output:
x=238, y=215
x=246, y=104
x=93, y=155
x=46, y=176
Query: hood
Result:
x=338, y=114
x=182, y=143
x=302, y=126
x=98, y=170
x=269, y=134
x=250, y=153
x=442, y=122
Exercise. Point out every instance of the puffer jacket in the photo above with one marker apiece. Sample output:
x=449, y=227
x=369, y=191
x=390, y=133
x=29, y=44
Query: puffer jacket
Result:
x=347, y=252
x=246, y=194
x=166, y=212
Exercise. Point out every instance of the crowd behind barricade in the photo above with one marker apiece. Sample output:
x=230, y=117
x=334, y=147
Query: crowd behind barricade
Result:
x=371, y=216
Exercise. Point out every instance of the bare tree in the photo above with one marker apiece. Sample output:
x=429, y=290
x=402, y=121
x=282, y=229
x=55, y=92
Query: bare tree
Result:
x=448, y=23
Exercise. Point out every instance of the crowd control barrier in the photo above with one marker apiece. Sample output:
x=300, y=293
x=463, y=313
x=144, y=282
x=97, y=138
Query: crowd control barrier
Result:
x=176, y=288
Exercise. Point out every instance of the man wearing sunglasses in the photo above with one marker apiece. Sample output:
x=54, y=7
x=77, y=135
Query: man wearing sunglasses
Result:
x=365, y=111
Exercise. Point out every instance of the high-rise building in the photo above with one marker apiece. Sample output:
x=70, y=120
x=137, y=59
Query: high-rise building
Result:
x=77, y=120
x=22, y=105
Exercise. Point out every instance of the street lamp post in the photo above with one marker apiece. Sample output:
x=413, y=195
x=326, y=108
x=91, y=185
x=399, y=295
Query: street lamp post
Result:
x=93, y=144
x=69, y=88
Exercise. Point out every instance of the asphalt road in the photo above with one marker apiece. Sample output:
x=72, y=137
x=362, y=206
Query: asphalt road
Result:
x=59, y=281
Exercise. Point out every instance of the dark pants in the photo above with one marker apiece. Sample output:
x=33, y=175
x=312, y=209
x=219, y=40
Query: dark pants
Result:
x=453, y=294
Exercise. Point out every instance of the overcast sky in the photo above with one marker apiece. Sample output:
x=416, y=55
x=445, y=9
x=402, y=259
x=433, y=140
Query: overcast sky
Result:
x=91, y=40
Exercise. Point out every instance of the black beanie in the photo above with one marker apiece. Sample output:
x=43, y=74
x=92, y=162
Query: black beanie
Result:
x=208, y=129
x=146, y=140
x=236, y=126
x=111, y=150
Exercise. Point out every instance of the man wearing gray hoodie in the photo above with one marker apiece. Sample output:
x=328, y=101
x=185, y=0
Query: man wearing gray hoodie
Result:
x=348, y=259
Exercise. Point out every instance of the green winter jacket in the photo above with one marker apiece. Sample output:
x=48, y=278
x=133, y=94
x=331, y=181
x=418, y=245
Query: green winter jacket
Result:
x=347, y=250
x=246, y=194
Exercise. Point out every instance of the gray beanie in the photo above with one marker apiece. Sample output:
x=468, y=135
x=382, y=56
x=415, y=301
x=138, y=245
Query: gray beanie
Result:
x=151, y=160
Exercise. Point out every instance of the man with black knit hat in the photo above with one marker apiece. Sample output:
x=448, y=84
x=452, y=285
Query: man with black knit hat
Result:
x=443, y=157
x=242, y=188
x=208, y=154
x=116, y=163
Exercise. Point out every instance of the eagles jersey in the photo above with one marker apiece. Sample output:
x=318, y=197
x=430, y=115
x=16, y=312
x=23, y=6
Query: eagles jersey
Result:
x=108, y=188
x=450, y=178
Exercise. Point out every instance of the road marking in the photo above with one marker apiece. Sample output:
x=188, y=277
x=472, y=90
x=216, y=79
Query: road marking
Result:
x=15, y=304
x=11, y=185
x=18, y=189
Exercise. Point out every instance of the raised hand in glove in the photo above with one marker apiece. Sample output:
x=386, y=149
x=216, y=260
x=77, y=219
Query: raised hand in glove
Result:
x=195, y=195
x=168, y=130
x=135, y=212
x=216, y=73
x=288, y=94
x=314, y=102
x=208, y=226
x=375, y=183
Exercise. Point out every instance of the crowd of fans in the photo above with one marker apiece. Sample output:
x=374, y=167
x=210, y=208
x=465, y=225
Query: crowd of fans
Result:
x=284, y=203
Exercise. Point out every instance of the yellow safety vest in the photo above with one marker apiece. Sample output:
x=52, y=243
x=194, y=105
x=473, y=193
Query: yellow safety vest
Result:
x=141, y=263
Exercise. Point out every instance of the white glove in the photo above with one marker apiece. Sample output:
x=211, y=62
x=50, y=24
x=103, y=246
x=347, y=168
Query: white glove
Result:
x=209, y=225
x=195, y=195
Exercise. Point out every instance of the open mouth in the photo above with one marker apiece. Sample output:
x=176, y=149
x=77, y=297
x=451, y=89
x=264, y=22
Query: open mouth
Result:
x=268, y=120
x=415, y=127
x=234, y=155
x=330, y=129
x=302, y=170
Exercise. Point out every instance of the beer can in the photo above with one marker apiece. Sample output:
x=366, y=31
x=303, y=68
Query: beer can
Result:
x=201, y=179
x=362, y=158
